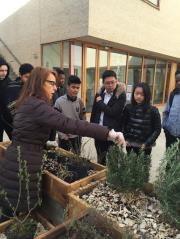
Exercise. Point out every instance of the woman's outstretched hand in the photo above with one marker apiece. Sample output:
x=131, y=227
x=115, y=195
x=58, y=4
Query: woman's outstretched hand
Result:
x=116, y=137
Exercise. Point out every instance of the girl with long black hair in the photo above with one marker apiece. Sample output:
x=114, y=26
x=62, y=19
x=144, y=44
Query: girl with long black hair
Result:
x=141, y=121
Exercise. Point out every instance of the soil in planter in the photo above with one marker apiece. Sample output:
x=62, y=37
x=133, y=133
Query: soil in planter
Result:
x=67, y=169
x=136, y=210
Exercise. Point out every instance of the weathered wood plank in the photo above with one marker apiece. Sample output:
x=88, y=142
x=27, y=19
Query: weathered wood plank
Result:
x=100, y=223
x=4, y=225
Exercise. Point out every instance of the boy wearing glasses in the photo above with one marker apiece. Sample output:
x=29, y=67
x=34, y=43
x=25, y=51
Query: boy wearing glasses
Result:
x=73, y=107
x=107, y=110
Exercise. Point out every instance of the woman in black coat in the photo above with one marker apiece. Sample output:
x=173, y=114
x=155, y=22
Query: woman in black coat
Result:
x=33, y=121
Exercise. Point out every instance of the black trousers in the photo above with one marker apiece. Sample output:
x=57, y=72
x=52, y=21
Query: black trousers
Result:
x=5, y=127
x=170, y=139
x=101, y=148
x=73, y=144
x=137, y=150
x=1, y=133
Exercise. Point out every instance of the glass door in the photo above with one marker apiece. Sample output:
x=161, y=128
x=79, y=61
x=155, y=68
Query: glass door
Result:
x=76, y=63
x=103, y=65
x=90, y=73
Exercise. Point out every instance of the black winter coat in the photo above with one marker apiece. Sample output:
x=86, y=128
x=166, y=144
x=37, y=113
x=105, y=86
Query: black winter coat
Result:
x=32, y=124
x=60, y=92
x=112, y=111
x=12, y=93
x=141, y=125
x=3, y=87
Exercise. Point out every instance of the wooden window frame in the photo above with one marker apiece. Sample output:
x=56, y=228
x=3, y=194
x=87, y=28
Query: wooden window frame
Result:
x=152, y=4
x=98, y=48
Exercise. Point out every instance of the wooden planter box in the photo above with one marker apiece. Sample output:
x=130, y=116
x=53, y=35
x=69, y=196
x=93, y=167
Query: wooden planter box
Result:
x=3, y=146
x=50, y=212
x=59, y=189
x=51, y=215
x=78, y=206
x=40, y=218
x=99, y=223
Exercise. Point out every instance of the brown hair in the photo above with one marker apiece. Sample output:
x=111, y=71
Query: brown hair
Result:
x=34, y=85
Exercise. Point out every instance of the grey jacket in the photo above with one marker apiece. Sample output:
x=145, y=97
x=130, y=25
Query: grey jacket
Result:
x=73, y=109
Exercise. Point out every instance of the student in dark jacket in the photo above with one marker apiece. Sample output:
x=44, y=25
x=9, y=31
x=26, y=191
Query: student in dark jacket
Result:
x=61, y=89
x=4, y=81
x=142, y=123
x=13, y=91
x=34, y=118
x=107, y=110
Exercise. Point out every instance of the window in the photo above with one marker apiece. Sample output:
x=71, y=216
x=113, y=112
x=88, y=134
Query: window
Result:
x=159, y=82
x=148, y=72
x=134, y=70
x=103, y=62
x=89, y=62
x=118, y=64
x=51, y=55
x=90, y=77
x=154, y=3
x=76, y=62
x=66, y=59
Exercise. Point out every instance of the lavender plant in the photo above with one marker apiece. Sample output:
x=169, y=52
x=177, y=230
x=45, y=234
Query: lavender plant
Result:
x=24, y=226
x=168, y=184
x=127, y=171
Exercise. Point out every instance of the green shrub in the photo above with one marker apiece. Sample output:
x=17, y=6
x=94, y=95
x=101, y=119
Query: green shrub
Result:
x=127, y=171
x=168, y=184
